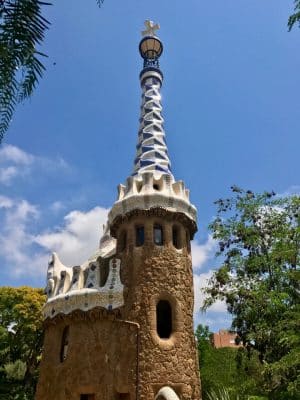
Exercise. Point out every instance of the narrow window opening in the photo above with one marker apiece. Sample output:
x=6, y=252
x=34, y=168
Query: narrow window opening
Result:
x=123, y=396
x=64, y=344
x=156, y=186
x=176, y=238
x=139, y=236
x=87, y=397
x=164, y=319
x=188, y=243
x=123, y=241
x=104, y=271
x=158, y=235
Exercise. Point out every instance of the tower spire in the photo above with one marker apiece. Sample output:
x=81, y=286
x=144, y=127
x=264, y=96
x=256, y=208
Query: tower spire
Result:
x=151, y=150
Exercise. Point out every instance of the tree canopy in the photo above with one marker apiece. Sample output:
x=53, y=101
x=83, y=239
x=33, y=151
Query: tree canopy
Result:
x=222, y=377
x=259, y=279
x=20, y=341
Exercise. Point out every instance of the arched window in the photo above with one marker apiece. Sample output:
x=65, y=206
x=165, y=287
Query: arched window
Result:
x=139, y=236
x=176, y=237
x=158, y=235
x=122, y=241
x=64, y=344
x=164, y=319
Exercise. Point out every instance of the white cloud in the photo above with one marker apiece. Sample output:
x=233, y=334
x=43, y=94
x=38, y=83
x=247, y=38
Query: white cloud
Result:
x=16, y=163
x=9, y=153
x=216, y=316
x=78, y=238
x=200, y=282
x=25, y=253
x=5, y=202
x=203, y=252
x=57, y=206
x=7, y=174
x=15, y=241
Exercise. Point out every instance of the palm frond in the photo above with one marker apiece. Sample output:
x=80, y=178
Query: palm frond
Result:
x=22, y=30
x=295, y=18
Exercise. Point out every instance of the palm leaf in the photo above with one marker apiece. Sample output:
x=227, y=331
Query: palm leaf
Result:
x=295, y=18
x=22, y=30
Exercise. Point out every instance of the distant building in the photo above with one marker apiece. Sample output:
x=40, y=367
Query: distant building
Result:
x=224, y=338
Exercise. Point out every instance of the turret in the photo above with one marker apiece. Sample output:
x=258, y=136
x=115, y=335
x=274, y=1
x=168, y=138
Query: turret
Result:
x=120, y=326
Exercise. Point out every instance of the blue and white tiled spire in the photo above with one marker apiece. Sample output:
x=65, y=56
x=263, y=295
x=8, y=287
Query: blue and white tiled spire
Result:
x=152, y=153
x=151, y=185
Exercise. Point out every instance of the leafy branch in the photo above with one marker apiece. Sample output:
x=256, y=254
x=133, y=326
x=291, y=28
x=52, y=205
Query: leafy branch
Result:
x=22, y=32
x=294, y=18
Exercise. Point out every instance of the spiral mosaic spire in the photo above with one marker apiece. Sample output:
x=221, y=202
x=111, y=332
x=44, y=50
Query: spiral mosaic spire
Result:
x=152, y=153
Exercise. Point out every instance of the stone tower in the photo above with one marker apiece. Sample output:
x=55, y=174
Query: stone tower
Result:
x=120, y=326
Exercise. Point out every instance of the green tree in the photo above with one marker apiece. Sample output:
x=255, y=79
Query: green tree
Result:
x=202, y=335
x=222, y=377
x=21, y=338
x=259, y=248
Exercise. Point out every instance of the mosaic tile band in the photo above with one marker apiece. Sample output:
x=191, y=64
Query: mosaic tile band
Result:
x=152, y=153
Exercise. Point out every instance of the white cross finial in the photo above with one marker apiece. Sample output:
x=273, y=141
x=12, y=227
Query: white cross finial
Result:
x=150, y=28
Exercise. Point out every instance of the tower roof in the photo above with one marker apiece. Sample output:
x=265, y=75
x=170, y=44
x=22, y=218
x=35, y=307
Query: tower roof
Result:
x=151, y=150
x=152, y=185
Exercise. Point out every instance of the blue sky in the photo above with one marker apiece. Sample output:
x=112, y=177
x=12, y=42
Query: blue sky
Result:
x=231, y=107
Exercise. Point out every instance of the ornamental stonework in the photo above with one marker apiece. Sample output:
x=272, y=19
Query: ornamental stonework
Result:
x=120, y=326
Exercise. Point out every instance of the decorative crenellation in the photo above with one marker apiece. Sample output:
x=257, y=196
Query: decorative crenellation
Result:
x=151, y=190
x=110, y=296
x=81, y=287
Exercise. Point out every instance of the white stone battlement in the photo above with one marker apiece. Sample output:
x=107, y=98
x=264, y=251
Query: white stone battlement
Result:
x=150, y=190
x=85, y=286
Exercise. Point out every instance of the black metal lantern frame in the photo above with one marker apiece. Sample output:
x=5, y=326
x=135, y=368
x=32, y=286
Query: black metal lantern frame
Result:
x=151, y=49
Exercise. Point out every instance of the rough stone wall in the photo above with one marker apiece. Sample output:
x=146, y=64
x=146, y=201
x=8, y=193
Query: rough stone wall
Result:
x=101, y=358
x=151, y=273
x=102, y=350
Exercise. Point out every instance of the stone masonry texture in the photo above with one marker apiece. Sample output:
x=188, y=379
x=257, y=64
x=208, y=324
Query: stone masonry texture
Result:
x=119, y=354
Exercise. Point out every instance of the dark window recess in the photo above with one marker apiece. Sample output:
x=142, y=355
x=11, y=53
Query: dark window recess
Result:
x=139, y=236
x=155, y=186
x=164, y=319
x=123, y=241
x=158, y=235
x=104, y=271
x=123, y=396
x=87, y=397
x=64, y=344
x=188, y=243
x=175, y=236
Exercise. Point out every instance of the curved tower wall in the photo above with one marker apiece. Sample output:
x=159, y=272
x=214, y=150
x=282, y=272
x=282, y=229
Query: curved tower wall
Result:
x=152, y=273
x=120, y=326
